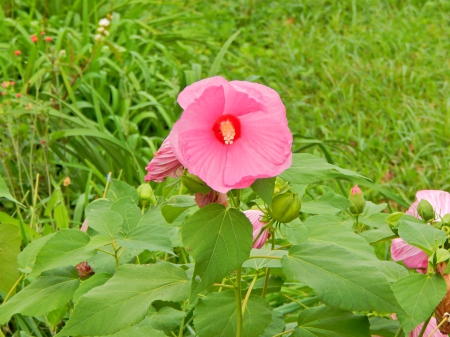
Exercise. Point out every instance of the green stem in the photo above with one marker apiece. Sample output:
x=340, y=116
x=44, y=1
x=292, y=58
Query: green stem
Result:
x=399, y=332
x=247, y=295
x=266, y=282
x=12, y=288
x=283, y=333
x=222, y=285
x=180, y=332
x=425, y=324
x=264, y=257
x=237, y=291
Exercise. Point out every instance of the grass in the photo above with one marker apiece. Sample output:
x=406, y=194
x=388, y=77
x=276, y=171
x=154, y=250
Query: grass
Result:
x=364, y=84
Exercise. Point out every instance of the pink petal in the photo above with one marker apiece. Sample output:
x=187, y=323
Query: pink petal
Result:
x=238, y=103
x=412, y=256
x=265, y=95
x=254, y=216
x=84, y=226
x=244, y=164
x=267, y=134
x=195, y=90
x=440, y=200
x=429, y=329
x=164, y=164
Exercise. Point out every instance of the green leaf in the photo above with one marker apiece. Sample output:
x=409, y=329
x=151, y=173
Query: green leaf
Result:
x=27, y=257
x=329, y=203
x=215, y=315
x=99, y=205
x=276, y=326
x=10, y=241
x=219, y=240
x=264, y=189
x=264, y=262
x=118, y=189
x=134, y=331
x=166, y=319
x=129, y=212
x=66, y=247
x=218, y=60
x=176, y=205
x=324, y=321
x=393, y=271
x=384, y=327
x=105, y=222
x=95, y=280
x=307, y=169
x=319, y=230
x=295, y=232
x=149, y=234
x=50, y=291
x=4, y=192
x=418, y=294
x=423, y=236
x=125, y=298
x=377, y=235
x=338, y=279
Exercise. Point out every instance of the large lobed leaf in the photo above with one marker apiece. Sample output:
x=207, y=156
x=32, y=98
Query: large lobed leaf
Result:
x=338, y=278
x=423, y=236
x=219, y=240
x=125, y=298
x=50, y=291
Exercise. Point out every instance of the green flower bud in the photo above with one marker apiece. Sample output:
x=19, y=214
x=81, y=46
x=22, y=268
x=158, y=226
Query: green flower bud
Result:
x=194, y=184
x=446, y=219
x=146, y=196
x=285, y=207
x=356, y=198
x=425, y=210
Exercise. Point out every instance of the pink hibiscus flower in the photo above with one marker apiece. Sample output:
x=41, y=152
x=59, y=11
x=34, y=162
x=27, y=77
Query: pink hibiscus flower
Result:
x=231, y=133
x=164, y=164
x=412, y=256
x=254, y=216
x=429, y=329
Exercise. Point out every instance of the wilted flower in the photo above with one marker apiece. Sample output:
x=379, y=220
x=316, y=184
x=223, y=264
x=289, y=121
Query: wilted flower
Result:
x=66, y=181
x=164, y=164
x=255, y=218
x=212, y=197
x=231, y=133
x=414, y=257
x=17, y=52
x=84, y=269
x=34, y=38
x=104, y=22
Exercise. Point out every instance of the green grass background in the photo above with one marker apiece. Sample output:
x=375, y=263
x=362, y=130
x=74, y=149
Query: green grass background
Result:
x=365, y=84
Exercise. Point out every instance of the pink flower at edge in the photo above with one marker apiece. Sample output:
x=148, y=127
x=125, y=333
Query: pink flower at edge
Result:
x=254, y=216
x=430, y=327
x=164, y=164
x=231, y=133
x=84, y=227
x=212, y=197
x=412, y=256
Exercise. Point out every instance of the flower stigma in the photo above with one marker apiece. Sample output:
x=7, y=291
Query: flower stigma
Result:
x=227, y=129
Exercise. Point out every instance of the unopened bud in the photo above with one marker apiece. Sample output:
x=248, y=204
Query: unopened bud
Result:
x=425, y=210
x=146, y=196
x=356, y=198
x=446, y=219
x=285, y=207
x=194, y=184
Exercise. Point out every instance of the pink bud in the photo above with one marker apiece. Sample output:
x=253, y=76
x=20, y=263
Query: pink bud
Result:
x=356, y=190
x=212, y=197
x=255, y=218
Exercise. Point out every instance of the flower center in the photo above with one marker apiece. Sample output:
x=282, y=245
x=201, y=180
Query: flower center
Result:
x=227, y=129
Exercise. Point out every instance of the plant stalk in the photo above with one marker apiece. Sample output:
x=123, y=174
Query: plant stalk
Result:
x=237, y=291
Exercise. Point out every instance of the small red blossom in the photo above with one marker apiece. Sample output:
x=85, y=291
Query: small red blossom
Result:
x=42, y=142
x=34, y=38
x=3, y=93
x=17, y=52
x=12, y=82
x=18, y=95
x=49, y=39
x=43, y=33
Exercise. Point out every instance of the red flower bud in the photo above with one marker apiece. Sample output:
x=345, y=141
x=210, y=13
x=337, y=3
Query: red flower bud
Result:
x=49, y=39
x=12, y=82
x=19, y=95
x=34, y=38
x=42, y=142
x=17, y=52
x=43, y=33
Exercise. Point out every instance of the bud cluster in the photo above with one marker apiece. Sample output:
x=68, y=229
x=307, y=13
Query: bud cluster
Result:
x=103, y=27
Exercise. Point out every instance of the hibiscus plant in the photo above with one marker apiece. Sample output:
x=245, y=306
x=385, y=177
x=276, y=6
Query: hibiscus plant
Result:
x=234, y=235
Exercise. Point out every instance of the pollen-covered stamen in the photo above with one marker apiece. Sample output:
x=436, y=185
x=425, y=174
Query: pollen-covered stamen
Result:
x=227, y=129
x=228, y=132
